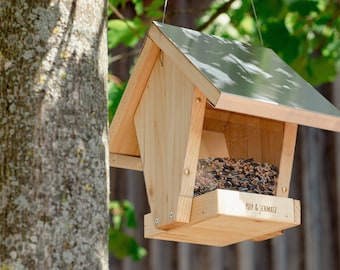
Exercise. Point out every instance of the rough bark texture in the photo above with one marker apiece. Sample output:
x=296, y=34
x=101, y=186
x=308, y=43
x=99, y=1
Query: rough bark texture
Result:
x=53, y=135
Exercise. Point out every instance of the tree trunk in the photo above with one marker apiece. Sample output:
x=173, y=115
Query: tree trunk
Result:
x=53, y=135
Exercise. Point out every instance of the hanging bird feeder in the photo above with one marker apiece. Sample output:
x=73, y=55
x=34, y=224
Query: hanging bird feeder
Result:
x=201, y=110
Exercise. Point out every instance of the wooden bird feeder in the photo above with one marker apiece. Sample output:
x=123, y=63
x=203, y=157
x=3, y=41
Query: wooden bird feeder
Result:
x=193, y=95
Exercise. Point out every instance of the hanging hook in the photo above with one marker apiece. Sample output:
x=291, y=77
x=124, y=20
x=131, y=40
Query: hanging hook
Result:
x=257, y=22
x=164, y=10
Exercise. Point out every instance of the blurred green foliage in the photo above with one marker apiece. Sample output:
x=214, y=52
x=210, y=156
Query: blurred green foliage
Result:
x=122, y=245
x=304, y=33
x=115, y=92
x=129, y=31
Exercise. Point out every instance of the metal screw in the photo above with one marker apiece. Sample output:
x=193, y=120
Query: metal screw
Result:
x=198, y=100
x=186, y=171
x=284, y=189
x=171, y=215
x=156, y=221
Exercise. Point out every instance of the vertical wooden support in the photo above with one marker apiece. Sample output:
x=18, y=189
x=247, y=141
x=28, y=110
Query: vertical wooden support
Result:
x=286, y=160
x=169, y=123
x=191, y=156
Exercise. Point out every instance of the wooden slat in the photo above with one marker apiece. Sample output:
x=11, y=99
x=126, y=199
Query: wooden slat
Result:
x=277, y=112
x=286, y=161
x=122, y=132
x=267, y=236
x=191, y=157
x=253, y=137
x=126, y=162
x=213, y=144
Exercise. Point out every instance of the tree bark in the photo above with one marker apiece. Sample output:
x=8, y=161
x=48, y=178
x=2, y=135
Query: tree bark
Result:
x=53, y=135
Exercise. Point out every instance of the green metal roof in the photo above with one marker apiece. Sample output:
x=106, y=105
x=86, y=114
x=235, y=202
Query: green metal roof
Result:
x=250, y=72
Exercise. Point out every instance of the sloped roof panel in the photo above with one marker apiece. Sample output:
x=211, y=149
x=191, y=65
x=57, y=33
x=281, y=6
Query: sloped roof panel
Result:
x=252, y=73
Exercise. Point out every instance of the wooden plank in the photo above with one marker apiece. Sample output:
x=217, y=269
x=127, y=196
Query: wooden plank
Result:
x=248, y=261
x=277, y=112
x=267, y=236
x=286, y=161
x=312, y=219
x=168, y=136
x=213, y=144
x=122, y=132
x=126, y=162
x=224, y=217
x=189, y=169
x=254, y=137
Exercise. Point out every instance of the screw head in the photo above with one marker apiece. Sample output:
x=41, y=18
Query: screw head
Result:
x=171, y=215
x=198, y=100
x=156, y=221
x=186, y=171
x=284, y=189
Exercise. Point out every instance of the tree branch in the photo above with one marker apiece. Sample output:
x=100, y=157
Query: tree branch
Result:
x=223, y=8
x=121, y=16
x=121, y=56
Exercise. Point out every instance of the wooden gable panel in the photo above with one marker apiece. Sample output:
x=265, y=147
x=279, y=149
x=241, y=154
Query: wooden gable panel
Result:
x=169, y=123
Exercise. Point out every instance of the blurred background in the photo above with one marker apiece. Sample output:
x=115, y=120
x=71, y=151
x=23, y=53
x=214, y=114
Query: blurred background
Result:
x=306, y=35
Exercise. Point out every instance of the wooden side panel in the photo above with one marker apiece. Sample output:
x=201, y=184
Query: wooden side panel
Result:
x=213, y=144
x=253, y=137
x=287, y=158
x=122, y=132
x=215, y=120
x=166, y=132
x=247, y=136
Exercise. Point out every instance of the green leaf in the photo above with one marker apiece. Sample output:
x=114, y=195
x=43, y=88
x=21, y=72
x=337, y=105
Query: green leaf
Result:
x=116, y=3
x=321, y=70
x=129, y=212
x=122, y=245
x=273, y=8
x=155, y=9
x=304, y=8
x=115, y=93
x=128, y=32
x=316, y=70
x=113, y=205
x=139, y=7
x=277, y=34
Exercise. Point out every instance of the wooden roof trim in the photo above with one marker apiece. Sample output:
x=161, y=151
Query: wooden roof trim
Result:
x=278, y=112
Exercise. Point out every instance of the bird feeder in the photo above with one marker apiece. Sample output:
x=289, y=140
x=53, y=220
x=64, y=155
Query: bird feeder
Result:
x=193, y=96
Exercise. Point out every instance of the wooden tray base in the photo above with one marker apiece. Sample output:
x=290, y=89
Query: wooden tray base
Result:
x=224, y=217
